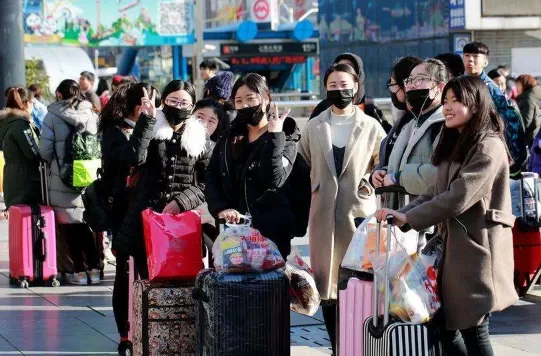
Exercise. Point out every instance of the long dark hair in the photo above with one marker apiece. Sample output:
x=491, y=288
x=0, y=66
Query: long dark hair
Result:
x=71, y=92
x=18, y=98
x=177, y=85
x=473, y=93
x=122, y=104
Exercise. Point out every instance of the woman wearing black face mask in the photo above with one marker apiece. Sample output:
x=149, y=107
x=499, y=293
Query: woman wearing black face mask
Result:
x=341, y=146
x=170, y=177
x=251, y=167
x=410, y=161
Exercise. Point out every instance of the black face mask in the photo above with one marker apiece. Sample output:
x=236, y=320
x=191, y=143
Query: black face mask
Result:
x=419, y=99
x=397, y=103
x=250, y=116
x=340, y=98
x=175, y=116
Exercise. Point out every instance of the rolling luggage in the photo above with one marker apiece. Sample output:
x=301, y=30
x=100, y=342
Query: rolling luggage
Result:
x=355, y=296
x=242, y=314
x=385, y=337
x=32, y=242
x=163, y=318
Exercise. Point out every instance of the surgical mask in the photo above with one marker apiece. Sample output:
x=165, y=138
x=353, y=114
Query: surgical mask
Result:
x=419, y=99
x=250, y=116
x=176, y=116
x=340, y=98
x=397, y=103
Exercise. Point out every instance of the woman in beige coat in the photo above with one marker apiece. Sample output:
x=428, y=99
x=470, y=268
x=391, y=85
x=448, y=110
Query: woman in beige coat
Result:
x=471, y=199
x=341, y=147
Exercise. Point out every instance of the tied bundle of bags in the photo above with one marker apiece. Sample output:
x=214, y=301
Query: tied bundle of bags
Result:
x=305, y=298
x=412, y=279
x=241, y=248
x=363, y=247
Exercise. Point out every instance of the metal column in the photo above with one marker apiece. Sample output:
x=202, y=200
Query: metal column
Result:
x=12, y=44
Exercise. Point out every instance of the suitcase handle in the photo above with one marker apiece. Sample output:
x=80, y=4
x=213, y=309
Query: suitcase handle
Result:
x=375, y=297
x=391, y=189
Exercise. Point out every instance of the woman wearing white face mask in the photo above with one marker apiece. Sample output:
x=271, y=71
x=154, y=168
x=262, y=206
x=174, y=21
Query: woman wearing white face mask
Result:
x=410, y=163
x=341, y=146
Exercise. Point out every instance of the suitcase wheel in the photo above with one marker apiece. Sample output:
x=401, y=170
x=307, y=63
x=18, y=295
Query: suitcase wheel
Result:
x=125, y=348
x=55, y=283
x=23, y=283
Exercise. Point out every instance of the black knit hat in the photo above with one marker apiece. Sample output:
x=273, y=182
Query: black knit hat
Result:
x=220, y=85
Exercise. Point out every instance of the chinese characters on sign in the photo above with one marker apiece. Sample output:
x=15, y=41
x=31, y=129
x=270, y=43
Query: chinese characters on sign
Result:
x=290, y=48
x=269, y=60
x=457, y=15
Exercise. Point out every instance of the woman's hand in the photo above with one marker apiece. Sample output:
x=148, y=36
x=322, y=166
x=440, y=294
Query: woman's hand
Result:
x=148, y=105
x=400, y=219
x=172, y=208
x=276, y=122
x=230, y=215
x=377, y=178
x=388, y=181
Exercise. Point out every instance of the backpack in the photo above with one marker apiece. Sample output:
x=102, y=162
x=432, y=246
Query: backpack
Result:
x=98, y=201
x=82, y=159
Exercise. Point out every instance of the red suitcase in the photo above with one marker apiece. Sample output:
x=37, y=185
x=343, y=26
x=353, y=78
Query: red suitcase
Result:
x=32, y=242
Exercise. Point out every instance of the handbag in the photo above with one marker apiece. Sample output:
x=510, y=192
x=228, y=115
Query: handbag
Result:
x=98, y=201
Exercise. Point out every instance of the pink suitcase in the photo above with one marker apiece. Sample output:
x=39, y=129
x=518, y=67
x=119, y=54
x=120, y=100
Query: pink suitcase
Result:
x=32, y=246
x=354, y=307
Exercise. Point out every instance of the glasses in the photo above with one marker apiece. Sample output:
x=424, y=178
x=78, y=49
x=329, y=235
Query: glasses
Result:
x=182, y=104
x=392, y=86
x=417, y=81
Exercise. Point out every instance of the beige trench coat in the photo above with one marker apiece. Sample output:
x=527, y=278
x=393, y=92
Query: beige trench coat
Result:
x=337, y=199
x=473, y=200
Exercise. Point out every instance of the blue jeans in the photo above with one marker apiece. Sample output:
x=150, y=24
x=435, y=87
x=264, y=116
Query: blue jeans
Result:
x=467, y=342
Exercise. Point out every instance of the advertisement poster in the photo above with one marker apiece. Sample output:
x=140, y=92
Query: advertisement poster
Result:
x=382, y=20
x=95, y=23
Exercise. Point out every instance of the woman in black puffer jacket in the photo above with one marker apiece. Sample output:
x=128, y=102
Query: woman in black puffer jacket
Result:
x=171, y=177
x=125, y=136
x=250, y=166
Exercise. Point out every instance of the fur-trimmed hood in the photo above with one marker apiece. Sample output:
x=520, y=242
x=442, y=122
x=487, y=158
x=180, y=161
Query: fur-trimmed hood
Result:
x=194, y=135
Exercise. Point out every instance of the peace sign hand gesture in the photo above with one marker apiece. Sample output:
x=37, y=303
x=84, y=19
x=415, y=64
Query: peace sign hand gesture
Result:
x=276, y=122
x=148, y=105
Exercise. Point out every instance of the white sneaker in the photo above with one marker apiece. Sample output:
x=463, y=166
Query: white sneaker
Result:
x=94, y=276
x=80, y=279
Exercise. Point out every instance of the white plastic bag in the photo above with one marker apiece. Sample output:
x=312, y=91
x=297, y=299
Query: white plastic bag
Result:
x=305, y=298
x=362, y=248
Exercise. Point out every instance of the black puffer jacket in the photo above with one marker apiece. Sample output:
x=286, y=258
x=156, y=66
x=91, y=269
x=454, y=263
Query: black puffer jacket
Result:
x=123, y=147
x=262, y=188
x=174, y=169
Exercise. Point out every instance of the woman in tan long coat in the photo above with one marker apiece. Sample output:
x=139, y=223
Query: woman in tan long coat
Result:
x=341, y=147
x=471, y=199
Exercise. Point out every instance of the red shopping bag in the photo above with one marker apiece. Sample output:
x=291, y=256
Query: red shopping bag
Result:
x=173, y=244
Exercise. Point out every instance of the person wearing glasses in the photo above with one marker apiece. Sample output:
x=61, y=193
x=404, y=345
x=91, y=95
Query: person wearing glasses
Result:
x=171, y=174
x=400, y=71
x=409, y=164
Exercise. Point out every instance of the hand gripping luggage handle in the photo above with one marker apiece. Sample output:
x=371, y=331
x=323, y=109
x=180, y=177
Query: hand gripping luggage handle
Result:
x=375, y=297
x=391, y=189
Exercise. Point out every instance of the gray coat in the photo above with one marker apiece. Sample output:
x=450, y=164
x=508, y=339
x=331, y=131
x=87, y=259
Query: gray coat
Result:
x=473, y=201
x=57, y=125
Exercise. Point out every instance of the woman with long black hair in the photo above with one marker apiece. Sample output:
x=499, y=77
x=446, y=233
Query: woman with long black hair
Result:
x=126, y=128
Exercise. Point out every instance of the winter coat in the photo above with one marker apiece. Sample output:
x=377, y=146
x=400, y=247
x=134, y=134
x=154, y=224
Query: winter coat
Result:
x=123, y=147
x=411, y=156
x=534, y=164
x=264, y=192
x=473, y=201
x=172, y=169
x=337, y=200
x=390, y=140
x=528, y=103
x=60, y=121
x=19, y=139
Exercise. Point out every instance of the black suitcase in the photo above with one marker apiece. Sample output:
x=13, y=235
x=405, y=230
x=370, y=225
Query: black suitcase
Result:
x=242, y=314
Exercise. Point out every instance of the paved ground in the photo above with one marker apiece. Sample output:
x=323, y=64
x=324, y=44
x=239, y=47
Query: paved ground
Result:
x=72, y=320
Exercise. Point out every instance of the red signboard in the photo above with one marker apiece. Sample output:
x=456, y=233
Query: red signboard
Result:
x=268, y=60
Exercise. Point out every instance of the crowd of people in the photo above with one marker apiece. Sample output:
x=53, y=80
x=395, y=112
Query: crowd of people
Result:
x=459, y=137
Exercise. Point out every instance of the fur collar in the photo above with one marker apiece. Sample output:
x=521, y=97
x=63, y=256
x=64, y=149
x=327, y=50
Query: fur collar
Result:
x=7, y=113
x=194, y=135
